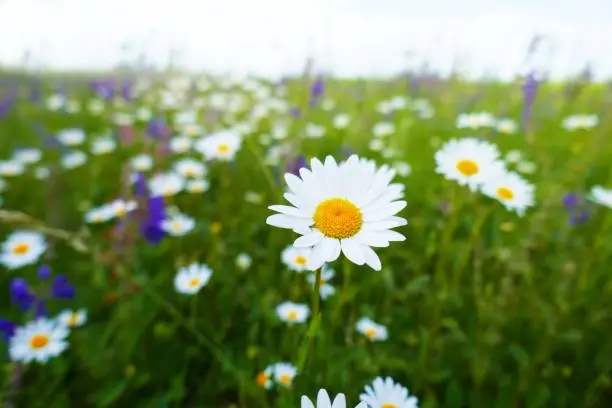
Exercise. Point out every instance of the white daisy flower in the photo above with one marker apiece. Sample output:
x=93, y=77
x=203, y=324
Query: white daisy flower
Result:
x=120, y=208
x=403, y=169
x=398, y=102
x=38, y=340
x=347, y=207
x=383, y=129
x=580, y=122
x=197, y=186
x=56, y=102
x=526, y=167
x=389, y=153
x=323, y=401
x=341, y=121
x=253, y=197
x=296, y=259
x=475, y=120
x=166, y=184
x=100, y=215
x=513, y=156
x=468, y=161
x=376, y=145
x=385, y=393
x=11, y=168
x=144, y=114
x=95, y=106
x=187, y=117
x=264, y=377
x=180, y=144
x=190, y=279
x=221, y=146
x=372, y=330
x=72, y=318
x=243, y=261
x=328, y=104
x=325, y=289
x=41, y=173
x=314, y=131
x=142, y=162
x=507, y=126
x=123, y=119
x=74, y=159
x=103, y=145
x=178, y=225
x=190, y=168
x=22, y=248
x=291, y=313
x=71, y=137
x=73, y=107
x=28, y=155
x=510, y=189
x=284, y=373
x=602, y=196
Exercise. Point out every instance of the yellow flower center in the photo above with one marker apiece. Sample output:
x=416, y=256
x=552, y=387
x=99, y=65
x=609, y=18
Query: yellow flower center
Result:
x=73, y=320
x=292, y=315
x=223, y=148
x=505, y=193
x=388, y=405
x=176, y=226
x=21, y=249
x=338, y=218
x=167, y=191
x=39, y=341
x=370, y=333
x=285, y=379
x=215, y=227
x=194, y=282
x=467, y=167
x=261, y=379
x=300, y=260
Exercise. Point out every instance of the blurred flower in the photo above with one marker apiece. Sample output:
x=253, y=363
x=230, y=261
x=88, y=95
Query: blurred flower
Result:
x=11, y=168
x=7, y=328
x=61, y=288
x=580, y=122
x=71, y=137
x=44, y=272
x=73, y=159
x=178, y=225
x=571, y=200
x=601, y=196
x=530, y=88
x=264, y=377
x=284, y=373
x=142, y=162
x=38, y=340
x=243, y=261
x=190, y=168
x=103, y=145
x=372, y=330
x=475, y=120
x=190, y=279
x=28, y=155
x=291, y=313
x=22, y=248
x=386, y=393
x=21, y=294
x=510, y=189
x=296, y=259
x=72, y=318
x=221, y=145
x=294, y=166
x=325, y=289
x=166, y=184
x=197, y=186
x=341, y=121
x=506, y=126
x=158, y=129
x=323, y=401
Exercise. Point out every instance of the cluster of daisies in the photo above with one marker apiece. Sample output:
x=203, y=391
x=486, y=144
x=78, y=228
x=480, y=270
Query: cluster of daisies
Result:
x=382, y=393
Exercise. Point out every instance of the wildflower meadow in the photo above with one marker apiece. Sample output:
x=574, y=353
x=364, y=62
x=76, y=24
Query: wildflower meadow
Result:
x=175, y=240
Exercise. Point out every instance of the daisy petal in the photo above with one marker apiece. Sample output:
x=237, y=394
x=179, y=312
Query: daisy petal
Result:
x=308, y=240
x=352, y=250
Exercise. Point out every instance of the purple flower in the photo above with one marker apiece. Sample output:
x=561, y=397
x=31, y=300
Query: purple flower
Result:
x=346, y=151
x=530, y=88
x=151, y=228
x=296, y=112
x=41, y=309
x=7, y=328
x=158, y=129
x=317, y=87
x=21, y=295
x=127, y=90
x=578, y=217
x=44, y=272
x=61, y=288
x=294, y=166
x=571, y=200
x=104, y=88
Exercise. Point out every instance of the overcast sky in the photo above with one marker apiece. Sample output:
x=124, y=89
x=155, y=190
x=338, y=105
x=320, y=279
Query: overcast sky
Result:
x=348, y=37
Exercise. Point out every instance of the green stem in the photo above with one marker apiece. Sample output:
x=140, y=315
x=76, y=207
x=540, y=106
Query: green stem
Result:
x=262, y=165
x=314, y=324
x=590, y=258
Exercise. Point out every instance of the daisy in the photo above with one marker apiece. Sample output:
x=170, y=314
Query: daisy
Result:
x=178, y=225
x=347, y=207
x=506, y=126
x=385, y=393
x=166, y=184
x=73, y=159
x=468, y=161
x=41, y=173
x=284, y=373
x=221, y=146
x=120, y=208
x=314, y=131
x=580, y=122
x=475, y=120
x=71, y=137
x=103, y=145
x=243, y=261
x=142, y=162
x=296, y=259
x=513, y=156
x=27, y=156
x=197, y=186
x=190, y=168
x=341, y=121
x=10, y=168
x=38, y=340
x=383, y=129
x=372, y=330
x=70, y=318
x=291, y=313
x=403, y=169
x=601, y=196
x=526, y=167
x=95, y=106
x=325, y=289
x=264, y=377
x=190, y=279
x=376, y=145
x=510, y=189
x=180, y=144
x=253, y=197
x=323, y=401
x=22, y=248
x=100, y=215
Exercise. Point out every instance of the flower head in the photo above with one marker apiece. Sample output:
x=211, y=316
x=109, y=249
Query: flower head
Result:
x=372, y=330
x=190, y=279
x=38, y=341
x=385, y=393
x=22, y=248
x=291, y=313
x=323, y=401
x=221, y=146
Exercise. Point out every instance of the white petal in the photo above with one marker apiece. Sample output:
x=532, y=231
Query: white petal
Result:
x=371, y=259
x=387, y=223
x=294, y=182
x=292, y=211
x=330, y=249
x=306, y=403
x=323, y=399
x=339, y=401
x=372, y=238
x=308, y=240
x=284, y=221
x=352, y=250
x=382, y=212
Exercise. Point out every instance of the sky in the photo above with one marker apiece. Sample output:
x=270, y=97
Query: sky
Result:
x=275, y=37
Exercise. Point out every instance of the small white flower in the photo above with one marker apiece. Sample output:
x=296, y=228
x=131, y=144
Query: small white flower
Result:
x=56, y=102
x=190, y=168
x=475, y=120
x=376, y=145
x=291, y=313
x=296, y=259
x=341, y=121
x=178, y=225
x=41, y=173
x=526, y=167
x=183, y=118
x=120, y=208
x=143, y=114
x=323, y=401
x=314, y=131
x=123, y=119
x=372, y=330
x=28, y=156
x=221, y=145
x=510, y=189
x=506, y=126
x=580, y=122
x=180, y=144
x=103, y=145
x=386, y=393
x=22, y=248
x=71, y=137
x=253, y=197
x=190, y=279
x=264, y=377
x=284, y=373
x=166, y=184
x=601, y=196
x=11, y=168
x=325, y=289
x=72, y=318
x=100, y=215
x=95, y=106
x=142, y=162
x=197, y=186
x=38, y=340
x=513, y=156
x=243, y=261
x=403, y=169
x=383, y=129
x=74, y=159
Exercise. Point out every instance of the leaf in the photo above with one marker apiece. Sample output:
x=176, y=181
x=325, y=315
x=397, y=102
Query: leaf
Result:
x=418, y=284
x=109, y=395
x=453, y=395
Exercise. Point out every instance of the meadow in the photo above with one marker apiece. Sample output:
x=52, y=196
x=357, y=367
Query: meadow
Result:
x=141, y=265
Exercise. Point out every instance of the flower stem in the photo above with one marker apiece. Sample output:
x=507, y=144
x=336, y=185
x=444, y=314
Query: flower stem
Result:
x=313, y=328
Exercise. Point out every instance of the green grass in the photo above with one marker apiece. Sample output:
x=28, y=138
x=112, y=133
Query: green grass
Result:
x=484, y=308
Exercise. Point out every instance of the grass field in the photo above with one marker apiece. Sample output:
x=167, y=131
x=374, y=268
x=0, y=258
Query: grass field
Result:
x=145, y=206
